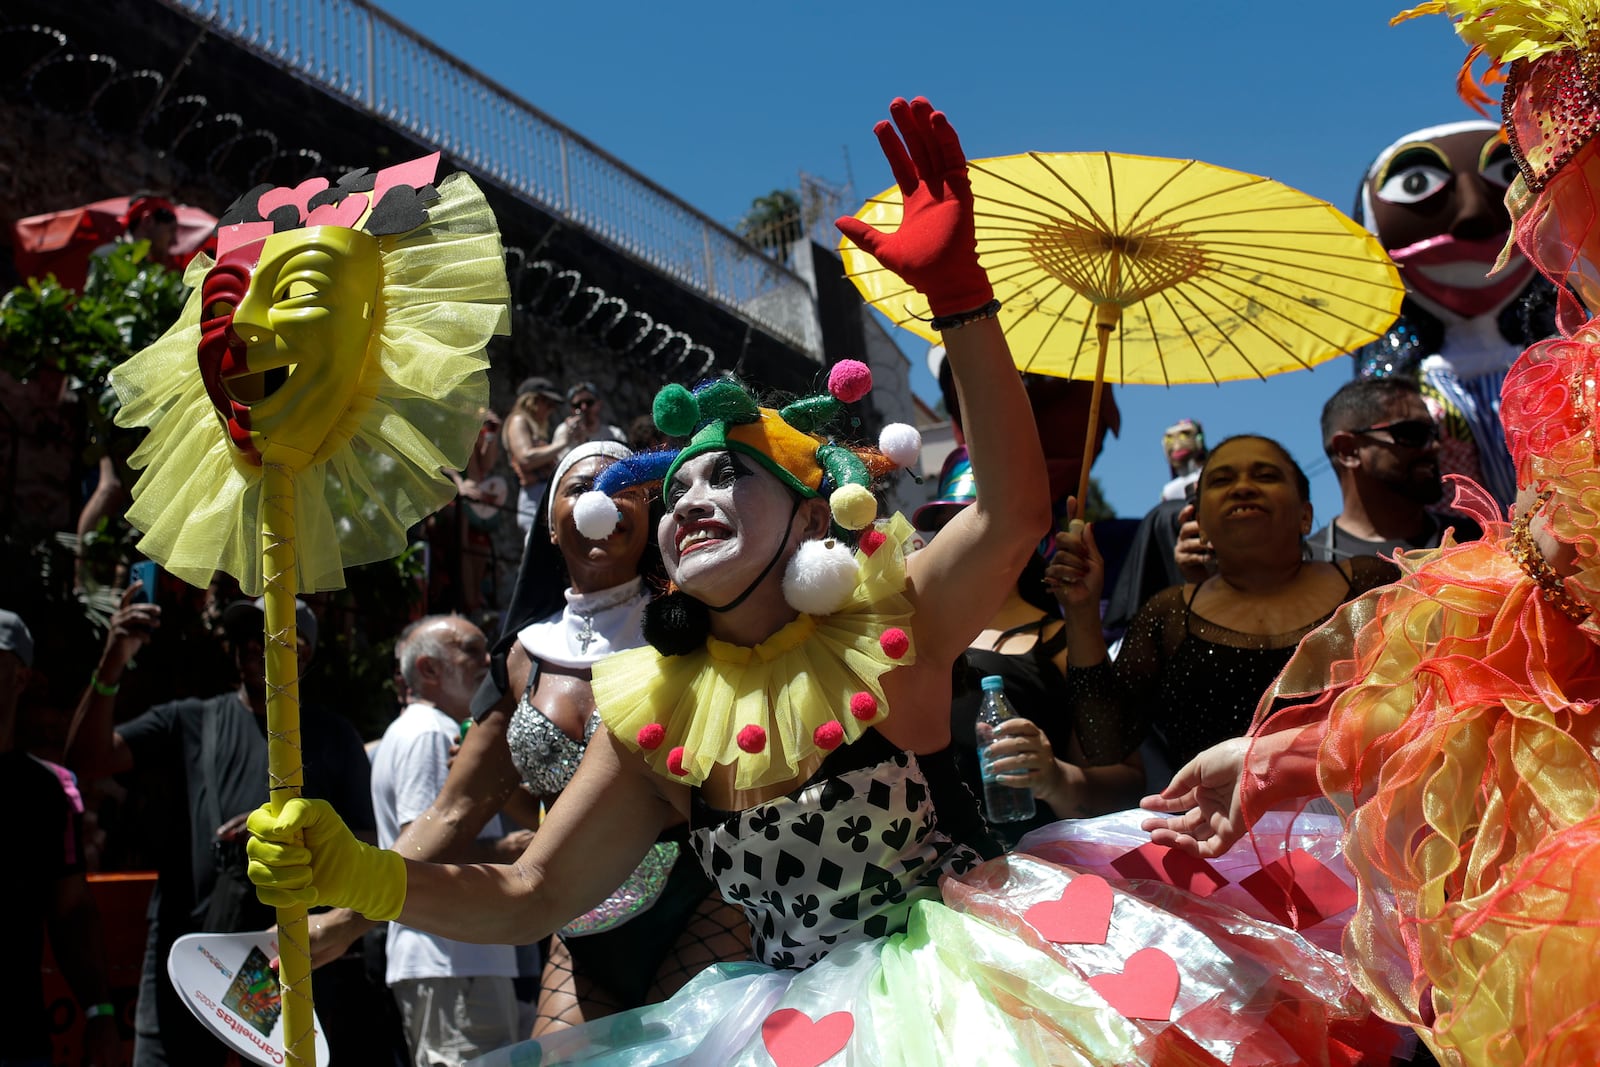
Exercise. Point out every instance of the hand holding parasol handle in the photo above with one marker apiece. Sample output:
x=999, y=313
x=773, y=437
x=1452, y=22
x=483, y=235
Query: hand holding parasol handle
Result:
x=285, y=769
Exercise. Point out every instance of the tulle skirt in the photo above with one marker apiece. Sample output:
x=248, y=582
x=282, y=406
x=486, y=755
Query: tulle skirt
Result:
x=1028, y=961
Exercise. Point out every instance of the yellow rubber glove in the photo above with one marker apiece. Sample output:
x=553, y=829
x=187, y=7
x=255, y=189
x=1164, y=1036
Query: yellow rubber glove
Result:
x=331, y=867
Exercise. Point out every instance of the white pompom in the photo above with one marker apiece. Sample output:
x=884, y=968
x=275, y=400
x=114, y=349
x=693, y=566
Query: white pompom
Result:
x=902, y=443
x=596, y=515
x=820, y=577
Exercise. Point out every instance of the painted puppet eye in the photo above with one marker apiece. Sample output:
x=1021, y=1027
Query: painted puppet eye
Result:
x=1498, y=166
x=1413, y=183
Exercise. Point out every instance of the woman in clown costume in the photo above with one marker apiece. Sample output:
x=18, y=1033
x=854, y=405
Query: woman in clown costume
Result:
x=794, y=711
x=1451, y=718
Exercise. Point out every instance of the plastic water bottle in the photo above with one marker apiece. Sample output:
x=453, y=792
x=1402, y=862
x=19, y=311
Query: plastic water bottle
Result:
x=1002, y=802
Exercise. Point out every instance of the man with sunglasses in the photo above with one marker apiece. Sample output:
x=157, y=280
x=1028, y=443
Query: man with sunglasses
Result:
x=1384, y=445
x=584, y=424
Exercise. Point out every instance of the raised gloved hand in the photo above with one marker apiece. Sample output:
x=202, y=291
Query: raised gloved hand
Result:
x=935, y=250
x=330, y=867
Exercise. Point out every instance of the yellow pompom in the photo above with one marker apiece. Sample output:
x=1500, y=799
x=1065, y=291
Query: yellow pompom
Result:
x=854, y=506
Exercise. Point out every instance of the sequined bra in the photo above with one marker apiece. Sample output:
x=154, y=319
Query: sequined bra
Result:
x=547, y=758
x=544, y=755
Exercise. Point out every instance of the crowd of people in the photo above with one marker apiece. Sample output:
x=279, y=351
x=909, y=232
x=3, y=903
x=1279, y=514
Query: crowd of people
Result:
x=707, y=790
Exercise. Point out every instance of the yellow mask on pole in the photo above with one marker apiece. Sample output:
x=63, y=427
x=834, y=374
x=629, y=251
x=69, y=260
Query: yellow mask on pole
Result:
x=339, y=336
x=305, y=326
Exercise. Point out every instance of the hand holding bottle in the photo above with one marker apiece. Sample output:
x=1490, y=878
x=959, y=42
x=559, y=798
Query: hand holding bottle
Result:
x=1006, y=796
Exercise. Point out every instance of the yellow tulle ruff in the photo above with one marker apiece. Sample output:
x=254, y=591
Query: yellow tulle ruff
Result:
x=443, y=295
x=799, y=679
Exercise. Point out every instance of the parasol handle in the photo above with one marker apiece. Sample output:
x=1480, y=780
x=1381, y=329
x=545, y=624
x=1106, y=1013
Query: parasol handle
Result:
x=285, y=772
x=1106, y=317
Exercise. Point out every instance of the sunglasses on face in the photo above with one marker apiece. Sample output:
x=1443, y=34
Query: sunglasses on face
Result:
x=584, y=405
x=1407, y=433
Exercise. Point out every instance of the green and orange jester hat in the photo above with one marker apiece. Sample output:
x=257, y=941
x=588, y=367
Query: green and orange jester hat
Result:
x=723, y=416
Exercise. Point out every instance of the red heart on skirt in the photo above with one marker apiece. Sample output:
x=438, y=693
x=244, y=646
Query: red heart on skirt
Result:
x=793, y=1040
x=1081, y=916
x=1147, y=988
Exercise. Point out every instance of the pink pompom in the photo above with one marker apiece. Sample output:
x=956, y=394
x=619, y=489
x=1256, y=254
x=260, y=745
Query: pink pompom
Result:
x=850, y=380
x=752, y=738
x=828, y=736
x=675, y=761
x=894, y=642
x=864, y=706
x=651, y=735
x=871, y=541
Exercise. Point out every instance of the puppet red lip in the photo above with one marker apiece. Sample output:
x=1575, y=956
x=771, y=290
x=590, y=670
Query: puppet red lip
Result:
x=1454, y=273
x=1447, y=249
x=694, y=535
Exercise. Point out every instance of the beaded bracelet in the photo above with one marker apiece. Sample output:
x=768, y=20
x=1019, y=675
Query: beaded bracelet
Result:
x=105, y=689
x=1532, y=561
x=962, y=318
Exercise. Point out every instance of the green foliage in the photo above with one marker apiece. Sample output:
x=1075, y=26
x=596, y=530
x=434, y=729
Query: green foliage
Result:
x=774, y=221
x=1095, y=508
x=127, y=302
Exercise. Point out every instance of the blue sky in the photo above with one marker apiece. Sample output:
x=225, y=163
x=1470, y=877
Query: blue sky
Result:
x=723, y=102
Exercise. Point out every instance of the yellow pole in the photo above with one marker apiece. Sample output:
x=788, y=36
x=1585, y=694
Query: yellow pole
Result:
x=1107, y=314
x=285, y=773
x=1106, y=317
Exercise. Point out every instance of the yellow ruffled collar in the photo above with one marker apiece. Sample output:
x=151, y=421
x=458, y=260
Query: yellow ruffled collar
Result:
x=770, y=708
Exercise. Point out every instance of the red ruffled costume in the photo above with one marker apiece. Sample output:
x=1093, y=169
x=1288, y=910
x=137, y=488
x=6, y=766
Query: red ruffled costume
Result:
x=1455, y=713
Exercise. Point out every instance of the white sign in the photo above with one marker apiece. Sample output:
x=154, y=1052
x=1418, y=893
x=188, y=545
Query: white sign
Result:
x=226, y=981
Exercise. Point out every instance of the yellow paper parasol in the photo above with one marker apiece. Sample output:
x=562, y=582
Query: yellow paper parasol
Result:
x=1136, y=269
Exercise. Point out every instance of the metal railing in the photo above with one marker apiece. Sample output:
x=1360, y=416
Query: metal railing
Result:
x=365, y=57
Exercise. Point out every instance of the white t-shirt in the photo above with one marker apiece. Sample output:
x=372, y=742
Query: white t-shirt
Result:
x=408, y=771
x=1178, y=488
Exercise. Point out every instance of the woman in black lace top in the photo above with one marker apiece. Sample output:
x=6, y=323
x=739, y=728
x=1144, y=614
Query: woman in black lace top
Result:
x=1197, y=658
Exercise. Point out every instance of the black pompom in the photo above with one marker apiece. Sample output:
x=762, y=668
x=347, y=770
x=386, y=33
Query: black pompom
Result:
x=676, y=624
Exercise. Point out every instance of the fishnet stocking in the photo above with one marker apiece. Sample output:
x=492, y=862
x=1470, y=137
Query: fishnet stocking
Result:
x=567, y=998
x=716, y=932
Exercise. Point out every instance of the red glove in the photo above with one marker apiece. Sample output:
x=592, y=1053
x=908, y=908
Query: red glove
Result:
x=935, y=250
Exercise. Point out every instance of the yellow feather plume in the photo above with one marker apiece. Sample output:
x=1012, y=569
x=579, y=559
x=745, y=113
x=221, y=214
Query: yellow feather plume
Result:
x=1509, y=30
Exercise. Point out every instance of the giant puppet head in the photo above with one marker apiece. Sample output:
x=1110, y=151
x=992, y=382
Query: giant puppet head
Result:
x=1435, y=198
x=339, y=336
